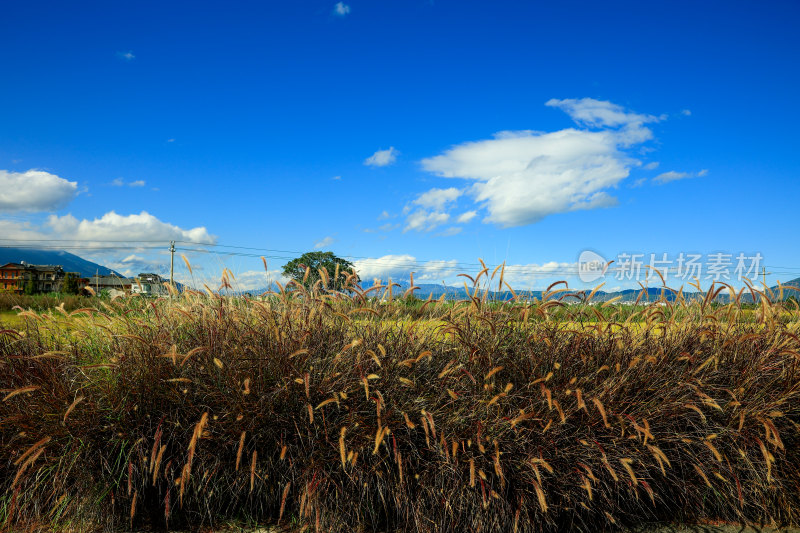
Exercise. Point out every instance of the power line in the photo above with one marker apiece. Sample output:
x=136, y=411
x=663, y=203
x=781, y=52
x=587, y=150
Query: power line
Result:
x=85, y=240
x=438, y=264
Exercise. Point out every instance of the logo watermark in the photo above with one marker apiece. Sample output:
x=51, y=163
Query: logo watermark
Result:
x=718, y=266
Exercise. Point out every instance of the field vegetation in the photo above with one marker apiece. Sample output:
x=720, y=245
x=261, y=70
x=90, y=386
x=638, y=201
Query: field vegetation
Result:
x=364, y=411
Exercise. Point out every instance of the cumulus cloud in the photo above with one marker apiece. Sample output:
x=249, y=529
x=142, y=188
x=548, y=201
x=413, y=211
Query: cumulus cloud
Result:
x=21, y=230
x=126, y=56
x=34, y=190
x=651, y=166
x=520, y=177
x=134, y=264
x=673, y=175
x=341, y=9
x=686, y=112
x=115, y=227
x=129, y=244
x=526, y=177
x=538, y=276
x=519, y=276
x=324, y=243
x=437, y=198
x=251, y=280
x=400, y=266
x=424, y=221
x=382, y=158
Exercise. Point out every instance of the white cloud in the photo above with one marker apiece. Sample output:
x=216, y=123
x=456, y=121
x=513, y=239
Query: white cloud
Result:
x=127, y=56
x=324, y=243
x=341, y=9
x=465, y=218
x=246, y=280
x=673, y=175
x=170, y=140
x=537, y=276
x=600, y=113
x=384, y=215
x=250, y=280
x=34, y=190
x=114, y=227
x=519, y=276
x=18, y=231
x=686, y=112
x=521, y=177
x=336, y=178
x=146, y=251
x=399, y=267
x=136, y=264
x=423, y=221
x=437, y=198
x=449, y=232
x=382, y=158
x=651, y=166
x=119, y=182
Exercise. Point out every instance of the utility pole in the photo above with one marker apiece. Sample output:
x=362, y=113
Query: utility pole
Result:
x=172, y=264
x=764, y=275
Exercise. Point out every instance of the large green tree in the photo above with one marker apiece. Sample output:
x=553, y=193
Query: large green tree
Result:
x=313, y=262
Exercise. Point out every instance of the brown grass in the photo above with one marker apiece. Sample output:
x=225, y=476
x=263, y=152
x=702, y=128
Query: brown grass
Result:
x=487, y=417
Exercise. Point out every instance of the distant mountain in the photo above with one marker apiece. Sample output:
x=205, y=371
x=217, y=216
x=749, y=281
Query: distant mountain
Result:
x=436, y=290
x=790, y=293
x=70, y=262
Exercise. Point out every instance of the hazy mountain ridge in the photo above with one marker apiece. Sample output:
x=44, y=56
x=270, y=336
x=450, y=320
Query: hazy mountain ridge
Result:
x=69, y=262
x=436, y=291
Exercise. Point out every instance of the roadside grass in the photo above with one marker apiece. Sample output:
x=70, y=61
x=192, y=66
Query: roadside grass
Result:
x=337, y=412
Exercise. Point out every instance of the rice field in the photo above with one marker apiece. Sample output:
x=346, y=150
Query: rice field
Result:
x=318, y=411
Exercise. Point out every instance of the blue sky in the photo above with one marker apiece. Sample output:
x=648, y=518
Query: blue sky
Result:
x=415, y=135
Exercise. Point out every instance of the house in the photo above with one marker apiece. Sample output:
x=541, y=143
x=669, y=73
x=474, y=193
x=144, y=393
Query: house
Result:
x=42, y=278
x=148, y=284
x=11, y=277
x=45, y=278
x=116, y=283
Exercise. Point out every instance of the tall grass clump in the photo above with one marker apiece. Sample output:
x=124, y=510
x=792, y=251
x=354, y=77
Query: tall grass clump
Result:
x=336, y=412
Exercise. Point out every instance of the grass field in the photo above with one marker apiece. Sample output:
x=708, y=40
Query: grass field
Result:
x=346, y=414
x=9, y=319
